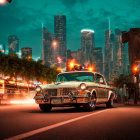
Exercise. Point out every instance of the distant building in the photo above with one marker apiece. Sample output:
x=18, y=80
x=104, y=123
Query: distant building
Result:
x=120, y=55
x=69, y=54
x=26, y=53
x=115, y=61
x=47, y=49
x=13, y=44
x=87, y=45
x=77, y=56
x=108, y=54
x=60, y=36
x=98, y=54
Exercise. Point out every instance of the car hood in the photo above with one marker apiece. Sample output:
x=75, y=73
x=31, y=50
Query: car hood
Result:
x=66, y=84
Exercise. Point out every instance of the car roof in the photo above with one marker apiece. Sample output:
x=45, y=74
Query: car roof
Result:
x=80, y=72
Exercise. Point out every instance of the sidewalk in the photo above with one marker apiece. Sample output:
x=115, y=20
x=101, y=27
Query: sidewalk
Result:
x=131, y=103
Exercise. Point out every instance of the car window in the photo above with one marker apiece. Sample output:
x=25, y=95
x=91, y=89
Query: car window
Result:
x=76, y=76
x=99, y=79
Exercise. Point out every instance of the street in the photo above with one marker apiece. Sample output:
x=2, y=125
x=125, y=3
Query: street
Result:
x=119, y=123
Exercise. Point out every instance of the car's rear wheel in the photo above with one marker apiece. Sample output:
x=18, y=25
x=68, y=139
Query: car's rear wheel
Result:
x=109, y=104
x=77, y=106
x=91, y=105
x=45, y=107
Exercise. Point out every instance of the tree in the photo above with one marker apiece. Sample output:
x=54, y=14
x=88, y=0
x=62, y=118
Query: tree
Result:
x=28, y=69
x=123, y=79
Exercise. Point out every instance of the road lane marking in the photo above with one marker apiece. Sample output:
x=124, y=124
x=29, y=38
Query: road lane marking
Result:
x=40, y=130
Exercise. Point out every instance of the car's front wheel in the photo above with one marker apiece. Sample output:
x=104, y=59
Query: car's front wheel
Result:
x=45, y=107
x=91, y=105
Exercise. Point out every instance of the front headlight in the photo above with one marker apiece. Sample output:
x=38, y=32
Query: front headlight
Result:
x=38, y=89
x=83, y=86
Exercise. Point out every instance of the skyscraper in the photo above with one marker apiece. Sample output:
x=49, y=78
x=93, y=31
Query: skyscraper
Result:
x=60, y=35
x=13, y=44
x=108, y=60
x=26, y=53
x=120, y=53
x=47, y=55
x=98, y=54
x=87, y=45
x=115, y=55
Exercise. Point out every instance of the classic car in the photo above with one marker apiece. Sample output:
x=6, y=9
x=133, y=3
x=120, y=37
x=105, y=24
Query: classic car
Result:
x=75, y=88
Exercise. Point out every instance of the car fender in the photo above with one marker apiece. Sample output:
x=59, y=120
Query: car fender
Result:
x=94, y=91
x=111, y=95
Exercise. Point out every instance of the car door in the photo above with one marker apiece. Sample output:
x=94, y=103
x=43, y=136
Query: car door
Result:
x=102, y=93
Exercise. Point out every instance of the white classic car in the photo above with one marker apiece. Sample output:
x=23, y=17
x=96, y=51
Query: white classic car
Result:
x=76, y=88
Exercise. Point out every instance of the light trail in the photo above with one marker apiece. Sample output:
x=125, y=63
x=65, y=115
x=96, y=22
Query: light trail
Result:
x=28, y=101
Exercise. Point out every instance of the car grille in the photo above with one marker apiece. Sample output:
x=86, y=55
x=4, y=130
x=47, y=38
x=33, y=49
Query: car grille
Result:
x=66, y=91
x=51, y=92
x=60, y=91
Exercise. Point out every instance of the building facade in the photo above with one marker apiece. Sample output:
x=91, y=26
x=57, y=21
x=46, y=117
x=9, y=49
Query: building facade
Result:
x=77, y=55
x=87, y=46
x=115, y=55
x=108, y=54
x=98, y=55
x=60, y=36
x=13, y=44
x=47, y=49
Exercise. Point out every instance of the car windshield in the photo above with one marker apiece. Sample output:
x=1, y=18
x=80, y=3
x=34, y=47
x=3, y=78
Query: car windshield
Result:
x=75, y=76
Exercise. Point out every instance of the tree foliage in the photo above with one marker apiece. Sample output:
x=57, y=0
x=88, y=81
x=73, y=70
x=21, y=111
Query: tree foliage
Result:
x=121, y=80
x=28, y=69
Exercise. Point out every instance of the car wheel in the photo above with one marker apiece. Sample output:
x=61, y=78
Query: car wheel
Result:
x=109, y=104
x=45, y=107
x=91, y=105
x=77, y=106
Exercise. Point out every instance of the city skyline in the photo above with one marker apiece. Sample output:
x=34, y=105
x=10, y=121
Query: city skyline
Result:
x=25, y=20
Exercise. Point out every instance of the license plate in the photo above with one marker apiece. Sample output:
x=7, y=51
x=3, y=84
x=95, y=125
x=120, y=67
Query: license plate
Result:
x=56, y=101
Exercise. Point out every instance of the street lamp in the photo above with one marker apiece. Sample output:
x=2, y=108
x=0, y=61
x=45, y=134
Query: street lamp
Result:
x=5, y=1
x=135, y=69
x=54, y=44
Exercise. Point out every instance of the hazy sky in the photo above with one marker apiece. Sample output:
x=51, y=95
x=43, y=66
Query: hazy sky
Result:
x=24, y=18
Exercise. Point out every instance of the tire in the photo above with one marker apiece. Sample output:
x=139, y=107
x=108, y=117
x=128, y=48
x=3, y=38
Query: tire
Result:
x=109, y=104
x=91, y=105
x=45, y=107
x=77, y=106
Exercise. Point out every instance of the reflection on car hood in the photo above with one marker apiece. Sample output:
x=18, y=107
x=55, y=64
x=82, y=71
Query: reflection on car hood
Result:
x=67, y=84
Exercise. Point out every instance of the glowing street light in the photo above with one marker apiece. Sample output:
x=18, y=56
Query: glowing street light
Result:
x=55, y=44
x=29, y=57
x=135, y=69
x=59, y=59
x=2, y=2
x=59, y=69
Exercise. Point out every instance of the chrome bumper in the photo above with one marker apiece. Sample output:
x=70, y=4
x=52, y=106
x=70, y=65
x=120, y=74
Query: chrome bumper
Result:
x=62, y=100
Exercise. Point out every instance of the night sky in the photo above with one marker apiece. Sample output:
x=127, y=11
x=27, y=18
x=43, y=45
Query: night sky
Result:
x=24, y=18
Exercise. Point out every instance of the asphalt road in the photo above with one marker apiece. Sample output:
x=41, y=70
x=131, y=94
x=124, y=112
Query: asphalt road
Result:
x=28, y=122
